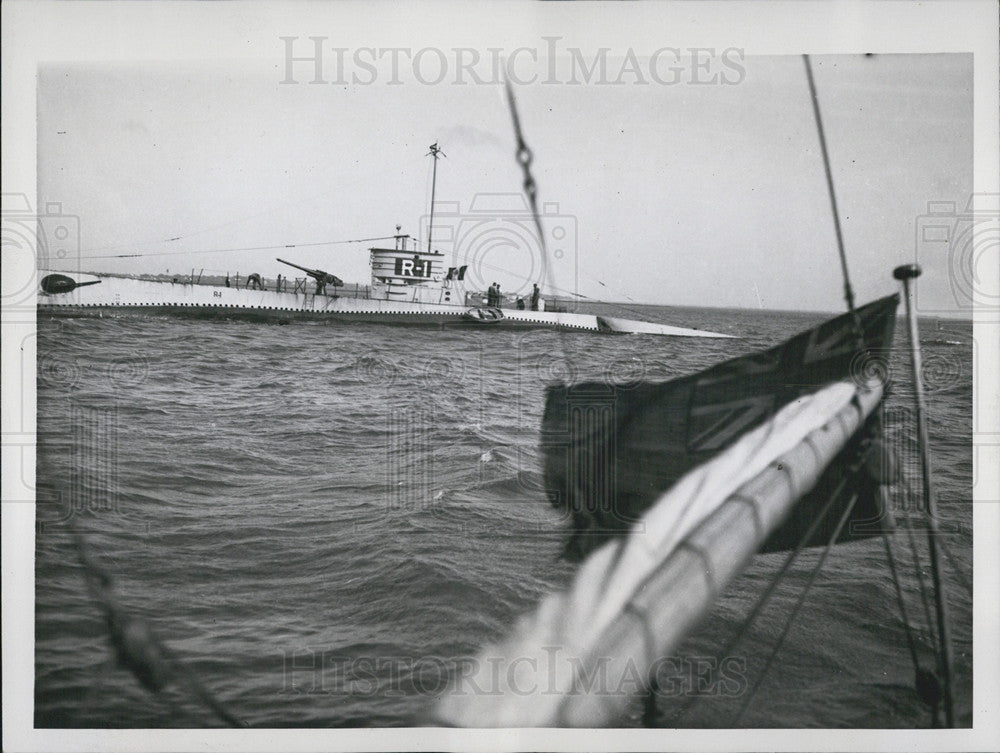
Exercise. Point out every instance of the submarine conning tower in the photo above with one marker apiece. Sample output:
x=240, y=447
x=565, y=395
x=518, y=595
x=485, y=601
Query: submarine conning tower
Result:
x=405, y=273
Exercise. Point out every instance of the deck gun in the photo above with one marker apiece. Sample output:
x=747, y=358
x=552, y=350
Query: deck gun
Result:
x=321, y=277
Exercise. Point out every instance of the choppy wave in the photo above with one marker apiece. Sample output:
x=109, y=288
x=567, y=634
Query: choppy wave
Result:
x=285, y=504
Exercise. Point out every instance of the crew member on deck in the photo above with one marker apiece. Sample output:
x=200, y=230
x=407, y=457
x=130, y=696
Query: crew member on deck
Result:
x=534, y=298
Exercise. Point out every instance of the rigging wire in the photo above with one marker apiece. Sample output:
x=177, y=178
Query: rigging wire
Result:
x=524, y=157
x=552, y=286
x=925, y=682
x=918, y=571
x=332, y=190
x=957, y=569
x=905, y=274
x=247, y=248
x=848, y=291
x=910, y=641
x=795, y=610
x=740, y=633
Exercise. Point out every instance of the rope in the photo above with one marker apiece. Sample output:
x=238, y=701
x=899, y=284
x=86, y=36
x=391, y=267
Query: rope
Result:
x=748, y=621
x=795, y=610
x=902, y=605
x=135, y=646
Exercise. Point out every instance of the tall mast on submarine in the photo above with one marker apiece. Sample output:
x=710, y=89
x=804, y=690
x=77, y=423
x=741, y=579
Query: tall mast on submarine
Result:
x=434, y=152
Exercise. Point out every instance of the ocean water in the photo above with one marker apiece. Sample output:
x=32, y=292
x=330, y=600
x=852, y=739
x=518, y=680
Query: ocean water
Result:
x=321, y=522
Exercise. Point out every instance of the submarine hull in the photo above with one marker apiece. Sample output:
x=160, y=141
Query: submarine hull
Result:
x=128, y=297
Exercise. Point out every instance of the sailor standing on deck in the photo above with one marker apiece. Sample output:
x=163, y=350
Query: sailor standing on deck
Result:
x=534, y=298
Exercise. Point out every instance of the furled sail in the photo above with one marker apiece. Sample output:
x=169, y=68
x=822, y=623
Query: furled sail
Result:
x=701, y=502
x=610, y=450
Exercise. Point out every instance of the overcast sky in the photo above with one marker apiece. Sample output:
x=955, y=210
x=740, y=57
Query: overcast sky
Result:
x=658, y=190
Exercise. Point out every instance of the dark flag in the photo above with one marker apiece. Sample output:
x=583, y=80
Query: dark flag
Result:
x=611, y=450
